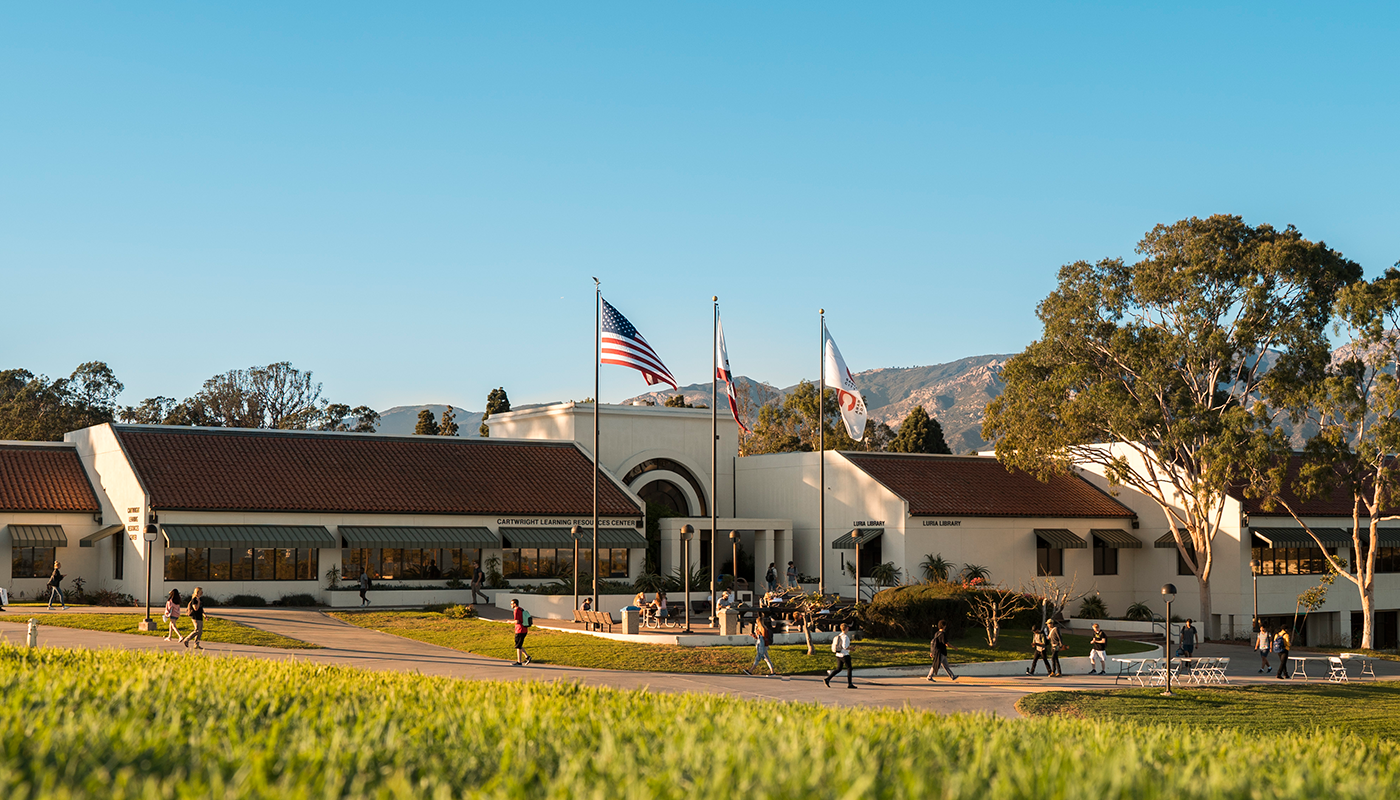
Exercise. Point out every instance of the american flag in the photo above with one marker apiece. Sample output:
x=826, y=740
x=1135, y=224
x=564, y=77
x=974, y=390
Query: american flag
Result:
x=624, y=346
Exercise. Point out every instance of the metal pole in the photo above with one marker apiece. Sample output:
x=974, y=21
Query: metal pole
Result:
x=714, y=458
x=574, y=531
x=857, y=574
x=148, y=583
x=597, y=401
x=821, y=458
x=1254, y=573
x=686, y=577
x=1169, y=647
x=734, y=538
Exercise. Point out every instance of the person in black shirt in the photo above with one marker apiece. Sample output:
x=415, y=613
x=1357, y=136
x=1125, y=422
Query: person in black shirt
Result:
x=53, y=586
x=938, y=649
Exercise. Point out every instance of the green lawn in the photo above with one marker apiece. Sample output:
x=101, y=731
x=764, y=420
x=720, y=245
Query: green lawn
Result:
x=124, y=725
x=1366, y=709
x=496, y=640
x=216, y=629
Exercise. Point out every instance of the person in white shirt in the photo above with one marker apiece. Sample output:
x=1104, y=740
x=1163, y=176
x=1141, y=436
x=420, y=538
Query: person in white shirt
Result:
x=841, y=648
x=1262, y=642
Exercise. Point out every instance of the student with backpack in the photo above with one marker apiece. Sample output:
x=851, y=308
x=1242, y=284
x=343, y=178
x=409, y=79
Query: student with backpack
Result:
x=771, y=577
x=938, y=651
x=365, y=585
x=55, y=579
x=1039, y=645
x=1281, y=643
x=523, y=621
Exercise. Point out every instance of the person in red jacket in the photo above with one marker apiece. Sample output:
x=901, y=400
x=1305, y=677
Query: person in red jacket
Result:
x=522, y=627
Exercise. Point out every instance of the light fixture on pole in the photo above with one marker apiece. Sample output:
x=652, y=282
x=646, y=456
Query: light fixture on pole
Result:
x=1169, y=594
x=574, y=532
x=152, y=532
x=686, y=532
x=734, y=540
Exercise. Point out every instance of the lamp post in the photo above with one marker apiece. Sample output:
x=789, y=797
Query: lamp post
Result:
x=686, y=532
x=151, y=533
x=734, y=541
x=574, y=531
x=1169, y=594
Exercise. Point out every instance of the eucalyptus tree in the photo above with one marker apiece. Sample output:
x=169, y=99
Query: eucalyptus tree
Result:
x=1148, y=371
x=1353, y=404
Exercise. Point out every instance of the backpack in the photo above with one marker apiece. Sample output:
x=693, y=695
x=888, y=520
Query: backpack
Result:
x=369, y=583
x=525, y=619
x=1280, y=644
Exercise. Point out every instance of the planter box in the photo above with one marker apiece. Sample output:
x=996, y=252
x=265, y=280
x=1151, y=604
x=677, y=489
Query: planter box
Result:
x=560, y=606
x=389, y=598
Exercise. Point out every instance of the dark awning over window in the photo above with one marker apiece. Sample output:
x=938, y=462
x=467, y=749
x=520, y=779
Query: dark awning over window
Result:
x=1116, y=538
x=1297, y=537
x=857, y=538
x=1167, y=542
x=93, y=538
x=418, y=538
x=1389, y=537
x=1061, y=539
x=252, y=536
x=629, y=538
x=38, y=536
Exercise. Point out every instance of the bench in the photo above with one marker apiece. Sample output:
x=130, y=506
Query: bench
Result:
x=599, y=619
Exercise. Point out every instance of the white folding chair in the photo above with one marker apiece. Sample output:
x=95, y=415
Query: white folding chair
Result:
x=1337, y=672
x=1221, y=666
x=1145, y=671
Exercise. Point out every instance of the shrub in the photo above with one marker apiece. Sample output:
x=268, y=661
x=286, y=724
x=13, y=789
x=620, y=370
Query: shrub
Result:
x=111, y=597
x=459, y=612
x=1141, y=612
x=246, y=600
x=296, y=600
x=1093, y=607
x=912, y=611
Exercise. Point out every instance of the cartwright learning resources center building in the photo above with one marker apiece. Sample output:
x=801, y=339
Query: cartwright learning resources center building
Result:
x=270, y=513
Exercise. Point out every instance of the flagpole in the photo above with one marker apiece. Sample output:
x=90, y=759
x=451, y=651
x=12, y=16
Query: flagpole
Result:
x=714, y=460
x=597, y=360
x=821, y=456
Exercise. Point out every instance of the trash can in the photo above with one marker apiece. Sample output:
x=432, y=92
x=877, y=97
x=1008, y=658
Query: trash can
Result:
x=729, y=622
x=631, y=620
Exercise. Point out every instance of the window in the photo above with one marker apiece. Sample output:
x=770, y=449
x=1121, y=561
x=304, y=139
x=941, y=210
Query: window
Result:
x=550, y=563
x=227, y=564
x=118, y=556
x=31, y=562
x=1048, y=560
x=401, y=564
x=1290, y=560
x=1183, y=568
x=1387, y=559
x=1105, y=558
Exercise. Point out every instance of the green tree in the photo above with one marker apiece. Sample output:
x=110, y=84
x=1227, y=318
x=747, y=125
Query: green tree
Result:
x=152, y=411
x=496, y=403
x=792, y=426
x=448, y=426
x=919, y=433
x=1352, y=401
x=341, y=417
x=1147, y=370
x=34, y=408
x=427, y=424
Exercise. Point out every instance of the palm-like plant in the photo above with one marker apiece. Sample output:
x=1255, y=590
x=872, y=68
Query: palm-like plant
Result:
x=1140, y=612
x=936, y=567
x=972, y=572
x=886, y=574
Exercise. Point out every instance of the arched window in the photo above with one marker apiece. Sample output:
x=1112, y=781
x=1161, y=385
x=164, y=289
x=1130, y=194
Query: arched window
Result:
x=668, y=465
x=665, y=493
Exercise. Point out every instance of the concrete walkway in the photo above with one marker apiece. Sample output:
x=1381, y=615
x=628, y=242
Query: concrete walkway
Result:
x=349, y=645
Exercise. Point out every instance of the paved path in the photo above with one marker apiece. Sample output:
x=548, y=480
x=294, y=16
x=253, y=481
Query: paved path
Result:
x=349, y=645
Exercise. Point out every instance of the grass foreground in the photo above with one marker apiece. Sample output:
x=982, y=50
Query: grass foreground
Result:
x=123, y=724
x=216, y=629
x=497, y=640
x=1364, y=708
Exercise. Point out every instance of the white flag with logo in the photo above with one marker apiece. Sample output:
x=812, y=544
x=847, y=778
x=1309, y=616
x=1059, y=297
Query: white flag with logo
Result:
x=847, y=395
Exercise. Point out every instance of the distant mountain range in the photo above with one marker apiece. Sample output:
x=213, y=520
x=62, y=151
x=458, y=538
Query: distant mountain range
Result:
x=955, y=394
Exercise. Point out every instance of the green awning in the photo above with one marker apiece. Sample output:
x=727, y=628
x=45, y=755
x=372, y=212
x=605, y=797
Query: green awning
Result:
x=1168, y=542
x=418, y=538
x=38, y=536
x=1061, y=539
x=1116, y=538
x=252, y=536
x=533, y=538
x=1297, y=537
x=1389, y=537
x=93, y=538
x=859, y=537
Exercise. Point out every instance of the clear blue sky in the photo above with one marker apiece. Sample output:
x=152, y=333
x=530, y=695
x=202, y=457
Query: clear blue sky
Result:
x=410, y=201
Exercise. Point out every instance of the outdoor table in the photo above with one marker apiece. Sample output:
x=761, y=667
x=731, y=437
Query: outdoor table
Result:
x=1368, y=664
x=1300, y=666
x=1125, y=667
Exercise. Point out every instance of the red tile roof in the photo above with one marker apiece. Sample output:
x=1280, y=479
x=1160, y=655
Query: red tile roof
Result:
x=44, y=478
x=211, y=469
x=1337, y=504
x=979, y=486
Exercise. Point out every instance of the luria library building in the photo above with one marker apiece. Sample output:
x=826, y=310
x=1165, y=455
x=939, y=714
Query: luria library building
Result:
x=272, y=513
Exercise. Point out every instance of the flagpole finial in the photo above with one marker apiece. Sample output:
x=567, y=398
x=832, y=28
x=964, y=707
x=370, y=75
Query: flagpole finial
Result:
x=715, y=298
x=595, y=280
x=821, y=311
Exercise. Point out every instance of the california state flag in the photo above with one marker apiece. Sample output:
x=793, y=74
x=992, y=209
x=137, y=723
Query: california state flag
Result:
x=848, y=397
x=723, y=373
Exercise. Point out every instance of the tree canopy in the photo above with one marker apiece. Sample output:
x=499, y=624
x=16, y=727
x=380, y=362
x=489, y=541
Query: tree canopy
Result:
x=496, y=403
x=448, y=425
x=919, y=433
x=275, y=396
x=35, y=408
x=427, y=424
x=1149, y=370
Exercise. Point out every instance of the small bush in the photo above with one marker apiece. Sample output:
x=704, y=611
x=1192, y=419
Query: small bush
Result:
x=459, y=612
x=1093, y=607
x=301, y=600
x=110, y=597
x=246, y=601
x=1139, y=612
x=912, y=611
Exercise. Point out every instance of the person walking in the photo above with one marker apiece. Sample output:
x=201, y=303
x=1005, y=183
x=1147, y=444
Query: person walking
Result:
x=1056, y=644
x=523, y=621
x=938, y=649
x=1188, y=639
x=762, y=640
x=1038, y=645
x=196, y=612
x=792, y=575
x=478, y=582
x=1282, y=643
x=364, y=587
x=1098, y=651
x=771, y=576
x=56, y=578
x=172, y=614
x=841, y=648
x=1262, y=643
